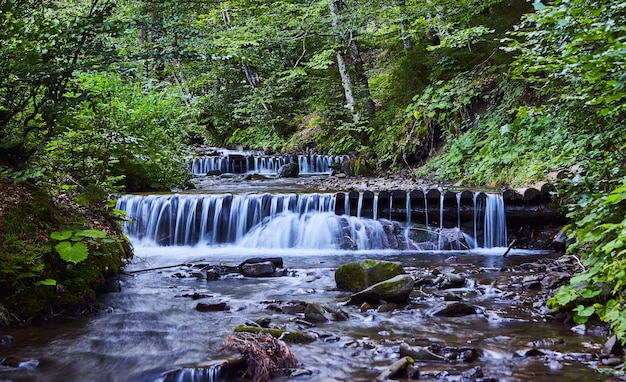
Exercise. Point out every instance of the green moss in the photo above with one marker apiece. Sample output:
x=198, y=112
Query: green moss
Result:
x=27, y=256
x=359, y=275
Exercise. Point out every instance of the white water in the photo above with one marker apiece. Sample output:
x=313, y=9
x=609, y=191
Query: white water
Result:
x=265, y=165
x=286, y=221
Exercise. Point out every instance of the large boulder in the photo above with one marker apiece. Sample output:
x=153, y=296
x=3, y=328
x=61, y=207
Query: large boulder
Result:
x=358, y=275
x=289, y=170
x=397, y=289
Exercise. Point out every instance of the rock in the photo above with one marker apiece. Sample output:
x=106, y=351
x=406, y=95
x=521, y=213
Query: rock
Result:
x=213, y=307
x=452, y=309
x=214, y=173
x=452, y=239
x=254, y=176
x=289, y=170
x=315, y=312
x=277, y=261
x=613, y=347
x=262, y=269
x=397, y=289
x=418, y=353
x=473, y=374
x=529, y=352
x=396, y=370
x=7, y=341
x=358, y=275
x=559, y=242
x=451, y=280
x=19, y=362
x=212, y=275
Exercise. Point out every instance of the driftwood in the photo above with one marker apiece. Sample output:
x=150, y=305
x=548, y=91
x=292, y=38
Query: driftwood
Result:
x=509, y=247
x=158, y=268
x=266, y=357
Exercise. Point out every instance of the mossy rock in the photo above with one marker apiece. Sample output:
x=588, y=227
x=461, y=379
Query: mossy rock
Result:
x=287, y=336
x=358, y=275
x=397, y=289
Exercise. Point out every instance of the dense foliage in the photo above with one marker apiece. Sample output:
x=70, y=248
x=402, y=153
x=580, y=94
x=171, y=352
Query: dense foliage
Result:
x=98, y=97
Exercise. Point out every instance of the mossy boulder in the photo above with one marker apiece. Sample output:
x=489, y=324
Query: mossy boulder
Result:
x=397, y=289
x=358, y=275
x=287, y=336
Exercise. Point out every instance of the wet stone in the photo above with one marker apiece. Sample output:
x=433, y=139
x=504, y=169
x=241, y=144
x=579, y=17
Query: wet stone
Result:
x=263, y=269
x=19, y=362
x=212, y=307
x=453, y=309
x=7, y=341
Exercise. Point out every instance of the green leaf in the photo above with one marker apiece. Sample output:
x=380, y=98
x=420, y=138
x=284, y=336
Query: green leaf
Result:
x=92, y=233
x=72, y=253
x=48, y=282
x=63, y=235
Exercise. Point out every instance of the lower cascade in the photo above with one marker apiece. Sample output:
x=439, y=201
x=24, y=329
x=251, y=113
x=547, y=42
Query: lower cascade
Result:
x=311, y=221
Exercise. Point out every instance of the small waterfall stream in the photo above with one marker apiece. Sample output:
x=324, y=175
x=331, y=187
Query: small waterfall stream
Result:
x=280, y=221
x=252, y=162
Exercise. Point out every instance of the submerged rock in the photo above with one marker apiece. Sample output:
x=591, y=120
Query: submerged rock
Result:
x=358, y=275
x=212, y=307
x=453, y=309
x=289, y=170
x=315, y=312
x=397, y=289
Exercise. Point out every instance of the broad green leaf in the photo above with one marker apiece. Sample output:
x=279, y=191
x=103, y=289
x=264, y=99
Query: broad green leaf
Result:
x=72, y=253
x=63, y=235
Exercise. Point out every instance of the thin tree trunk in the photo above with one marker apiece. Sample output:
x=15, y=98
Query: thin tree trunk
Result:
x=406, y=41
x=346, y=81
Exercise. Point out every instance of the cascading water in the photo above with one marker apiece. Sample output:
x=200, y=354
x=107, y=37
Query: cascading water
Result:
x=288, y=221
x=265, y=165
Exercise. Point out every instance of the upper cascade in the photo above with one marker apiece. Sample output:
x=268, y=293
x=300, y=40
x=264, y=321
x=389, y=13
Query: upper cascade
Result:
x=243, y=162
x=310, y=221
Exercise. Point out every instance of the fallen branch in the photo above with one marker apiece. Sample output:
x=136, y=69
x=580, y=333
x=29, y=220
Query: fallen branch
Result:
x=509, y=248
x=158, y=268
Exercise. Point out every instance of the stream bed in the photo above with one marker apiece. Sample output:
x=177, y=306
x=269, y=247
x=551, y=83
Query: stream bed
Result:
x=152, y=326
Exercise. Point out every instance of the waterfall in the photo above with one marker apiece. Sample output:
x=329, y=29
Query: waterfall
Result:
x=408, y=209
x=375, y=207
x=426, y=210
x=225, y=218
x=292, y=220
x=495, y=222
x=252, y=162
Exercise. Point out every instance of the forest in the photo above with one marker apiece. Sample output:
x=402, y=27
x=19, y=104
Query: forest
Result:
x=99, y=97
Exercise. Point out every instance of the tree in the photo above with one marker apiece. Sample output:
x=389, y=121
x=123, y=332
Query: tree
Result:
x=37, y=67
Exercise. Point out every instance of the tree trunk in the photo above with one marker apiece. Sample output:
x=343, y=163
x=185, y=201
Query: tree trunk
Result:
x=346, y=81
x=406, y=41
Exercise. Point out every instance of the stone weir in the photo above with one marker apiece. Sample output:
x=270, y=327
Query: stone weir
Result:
x=245, y=163
x=489, y=219
x=434, y=207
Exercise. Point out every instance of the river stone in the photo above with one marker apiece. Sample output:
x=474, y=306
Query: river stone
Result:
x=418, y=353
x=7, y=341
x=19, y=362
x=315, y=312
x=452, y=309
x=289, y=170
x=262, y=269
x=358, y=275
x=212, y=307
x=397, y=289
